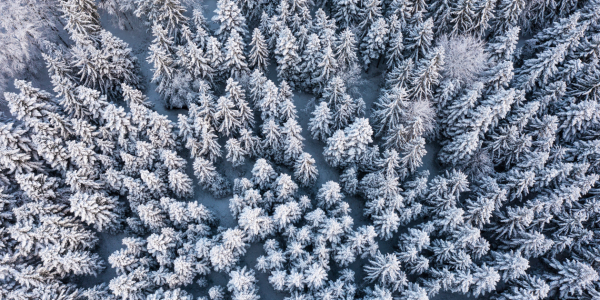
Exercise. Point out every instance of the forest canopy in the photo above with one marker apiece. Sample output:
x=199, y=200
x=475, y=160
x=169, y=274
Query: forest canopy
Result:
x=300, y=149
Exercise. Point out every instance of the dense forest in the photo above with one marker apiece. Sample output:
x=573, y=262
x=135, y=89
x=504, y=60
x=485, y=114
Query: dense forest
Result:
x=299, y=149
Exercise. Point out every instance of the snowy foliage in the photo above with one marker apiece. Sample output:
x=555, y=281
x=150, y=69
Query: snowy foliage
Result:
x=426, y=147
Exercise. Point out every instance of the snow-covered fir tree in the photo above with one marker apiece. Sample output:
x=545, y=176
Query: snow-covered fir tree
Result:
x=230, y=19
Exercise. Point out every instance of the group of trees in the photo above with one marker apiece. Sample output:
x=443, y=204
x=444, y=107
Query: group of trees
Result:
x=516, y=122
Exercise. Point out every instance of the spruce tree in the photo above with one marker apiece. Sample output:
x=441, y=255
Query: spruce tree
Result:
x=305, y=170
x=426, y=75
x=462, y=17
x=193, y=59
x=345, y=50
x=573, y=278
x=394, y=52
x=326, y=68
x=167, y=13
x=230, y=19
x=320, y=125
x=335, y=151
x=507, y=15
x=234, y=58
x=286, y=53
x=484, y=13
x=269, y=104
x=286, y=107
x=272, y=138
x=344, y=112
x=368, y=14
x=214, y=55
x=227, y=116
x=358, y=136
x=310, y=60
x=374, y=41
x=412, y=155
x=259, y=53
x=389, y=110
x=346, y=12
x=419, y=39
x=440, y=12
x=235, y=152
x=236, y=94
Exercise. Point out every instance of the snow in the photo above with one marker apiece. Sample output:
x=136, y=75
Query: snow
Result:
x=368, y=88
x=107, y=244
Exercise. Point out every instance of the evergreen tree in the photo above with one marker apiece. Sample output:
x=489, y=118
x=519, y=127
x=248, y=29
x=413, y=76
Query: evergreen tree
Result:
x=263, y=174
x=485, y=279
x=385, y=269
x=180, y=184
x=201, y=26
x=326, y=68
x=334, y=92
x=426, y=75
x=236, y=94
x=368, y=14
x=462, y=17
x=269, y=102
x=484, y=13
x=96, y=209
x=555, y=41
x=394, y=52
x=256, y=83
x=329, y=195
x=440, y=12
x=399, y=76
x=358, y=136
x=310, y=61
x=272, y=142
x=250, y=143
x=344, y=112
x=577, y=118
x=460, y=148
x=234, y=59
x=321, y=123
x=160, y=55
x=286, y=53
x=208, y=146
x=292, y=141
x=168, y=13
x=389, y=109
x=374, y=41
x=192, y=58
x=227, y=116
x=214, y=55
x=305, y=170
x=510, y=264
x=324, y=27
x=235, y=152
x=346, y=12
x=345, y=50
x=336, y=148
x=209, y=178
x=83, y=20
x=287, y=109
x=259, y=53
x=349, y=181
x=412, y=155
x=507, y=16
x=418, y=40
x=230, y=19
x=573, y=278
